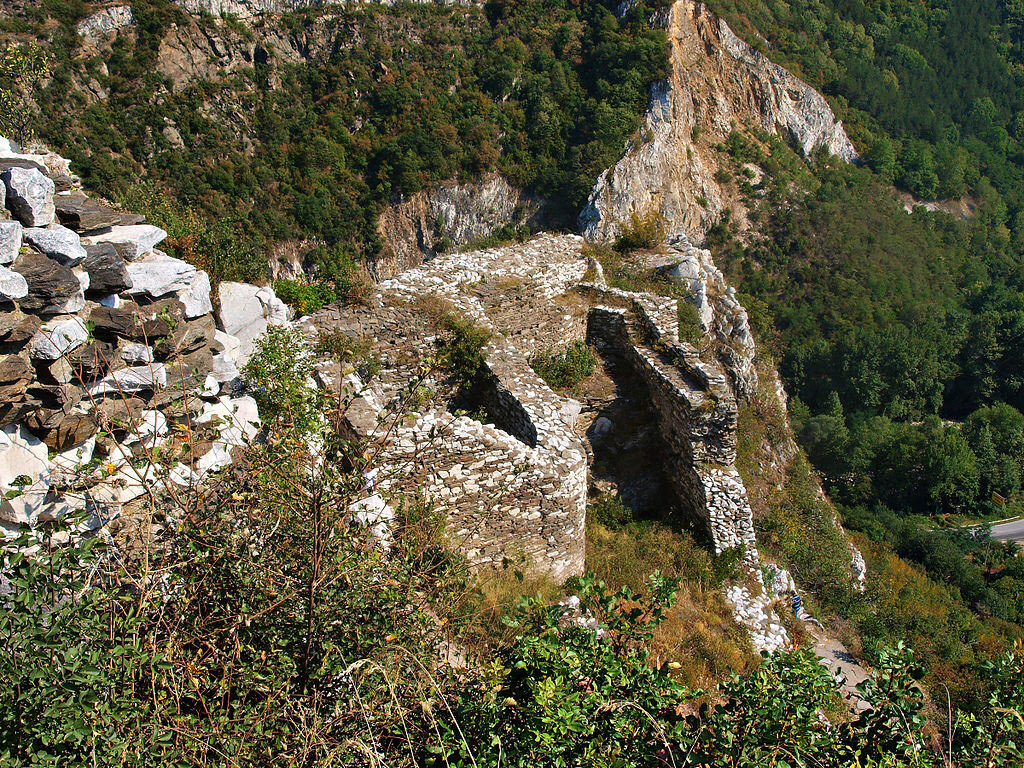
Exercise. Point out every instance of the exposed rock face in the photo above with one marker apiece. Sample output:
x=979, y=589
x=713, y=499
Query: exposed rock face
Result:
x=106, y=21
x=721, y=314
x=245, y=9
x=451, y=215
x=717, y=83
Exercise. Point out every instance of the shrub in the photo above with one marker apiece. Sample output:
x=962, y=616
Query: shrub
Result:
x=22, y=67
x=461, y=344
x=305, y=298
x=564, y=370
x=279, y=374
x=690, y=329
x=645, y=231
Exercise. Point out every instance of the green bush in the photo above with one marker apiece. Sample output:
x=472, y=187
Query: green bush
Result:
x=278, y=373
x=564, y=370
x=645, y=231
x=461, y=348
x=690, y=329
x=305, y=298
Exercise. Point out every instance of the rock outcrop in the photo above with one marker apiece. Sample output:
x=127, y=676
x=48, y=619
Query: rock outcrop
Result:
x=450, y=215
x=245, y=9
x=717, y=84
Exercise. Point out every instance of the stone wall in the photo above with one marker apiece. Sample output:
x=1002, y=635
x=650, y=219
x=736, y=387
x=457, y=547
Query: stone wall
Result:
x=107, y=347
x=697, y=416
x=512, y=480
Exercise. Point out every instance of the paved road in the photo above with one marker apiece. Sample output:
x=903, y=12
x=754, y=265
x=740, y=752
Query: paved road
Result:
x=1012, y=531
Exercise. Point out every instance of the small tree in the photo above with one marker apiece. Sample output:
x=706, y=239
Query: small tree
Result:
x=22, y=67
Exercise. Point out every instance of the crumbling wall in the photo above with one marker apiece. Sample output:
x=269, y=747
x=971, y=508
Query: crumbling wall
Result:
x=697, y=416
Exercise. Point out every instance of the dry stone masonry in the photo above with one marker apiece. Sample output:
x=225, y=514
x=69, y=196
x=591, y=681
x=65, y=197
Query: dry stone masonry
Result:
x=697, y=412
x=108, y=345
x=512, y=478
x=509, y=469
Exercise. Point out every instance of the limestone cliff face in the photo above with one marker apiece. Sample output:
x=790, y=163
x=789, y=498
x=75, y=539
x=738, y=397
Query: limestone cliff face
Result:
x=245, y=9
x=717, y=83
x=450, y=215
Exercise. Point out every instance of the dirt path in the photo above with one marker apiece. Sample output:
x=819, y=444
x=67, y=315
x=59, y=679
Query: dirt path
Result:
x=842, y=665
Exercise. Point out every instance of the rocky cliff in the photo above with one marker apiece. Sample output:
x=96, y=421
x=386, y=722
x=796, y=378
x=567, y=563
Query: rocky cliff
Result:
x=718, y=84
x=450, y=215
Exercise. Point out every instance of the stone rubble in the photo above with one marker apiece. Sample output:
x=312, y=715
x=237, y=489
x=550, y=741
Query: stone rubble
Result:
x=104, y=337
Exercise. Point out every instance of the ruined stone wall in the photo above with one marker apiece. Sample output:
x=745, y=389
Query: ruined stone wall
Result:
x=697, y=418
x=512, y=483
x=109, y=351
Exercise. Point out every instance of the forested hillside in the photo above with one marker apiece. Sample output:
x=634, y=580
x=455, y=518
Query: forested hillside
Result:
x=901, y=334
x=382, y=105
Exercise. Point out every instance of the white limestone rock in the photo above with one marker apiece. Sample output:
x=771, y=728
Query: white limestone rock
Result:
x=230, y=343
x=246, y=311
x=57, y=242
x=134, y=353
x=224, y=369
x=30, y=196
x=158, y=274
x=196, y=297
x=128, y=484
x=211, y=387
x=132, y=241
x=10, y=239
x=237, y=419
x=23, y=457
x=151, y=377
x=106, y=21
x=58, y=337
x=73, y=458
x=22, y=454
x=12, y=285
x=150, y=429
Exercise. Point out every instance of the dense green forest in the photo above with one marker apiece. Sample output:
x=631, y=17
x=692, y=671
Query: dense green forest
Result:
x=900, y=335
x=546, y=93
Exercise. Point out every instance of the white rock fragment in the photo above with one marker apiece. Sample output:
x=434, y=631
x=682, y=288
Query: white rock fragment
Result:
x=128, y=380
x=24, y=475
x=134, y=353
x=132, y=241
x=246, y=311
x=57, y=242
x=73, y=458
x=30, y=196
x=196, y=297
x=10, y=239
x=158, y=274
x=12, y=285
x=58, y=337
